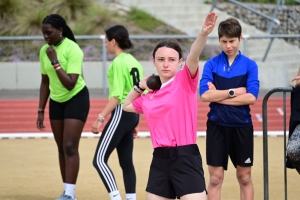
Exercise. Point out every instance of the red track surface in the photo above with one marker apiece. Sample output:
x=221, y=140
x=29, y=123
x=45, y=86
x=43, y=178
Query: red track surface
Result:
x=19, y=116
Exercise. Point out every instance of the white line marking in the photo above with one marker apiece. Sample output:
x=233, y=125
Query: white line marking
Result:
x=91, y=135
x=280, y=111
x=258, y=117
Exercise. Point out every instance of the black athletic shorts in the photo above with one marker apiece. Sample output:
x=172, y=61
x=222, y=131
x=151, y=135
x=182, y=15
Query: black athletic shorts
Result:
x=76, y=108
x=176, y=171
x=222, y=141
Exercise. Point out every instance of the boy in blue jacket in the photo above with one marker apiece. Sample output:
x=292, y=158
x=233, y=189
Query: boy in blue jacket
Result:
x=230, y=82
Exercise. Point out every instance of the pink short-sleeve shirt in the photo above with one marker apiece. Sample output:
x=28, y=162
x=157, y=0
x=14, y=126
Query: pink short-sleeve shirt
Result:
x=171, y=111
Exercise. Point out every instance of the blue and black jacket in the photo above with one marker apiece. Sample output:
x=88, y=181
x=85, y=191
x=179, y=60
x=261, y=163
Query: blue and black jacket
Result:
x=242, y=73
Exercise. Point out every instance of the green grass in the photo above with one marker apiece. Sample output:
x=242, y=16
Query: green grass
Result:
x=85, y=17
x=143, y=20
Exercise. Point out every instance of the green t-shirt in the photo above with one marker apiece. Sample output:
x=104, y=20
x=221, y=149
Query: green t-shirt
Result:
x=124, y=72
x=70, y=57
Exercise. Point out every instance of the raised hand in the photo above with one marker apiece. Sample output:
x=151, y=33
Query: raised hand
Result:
x=210, y=22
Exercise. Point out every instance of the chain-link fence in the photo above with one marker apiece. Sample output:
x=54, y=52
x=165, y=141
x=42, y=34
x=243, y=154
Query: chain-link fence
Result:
x=276, y=55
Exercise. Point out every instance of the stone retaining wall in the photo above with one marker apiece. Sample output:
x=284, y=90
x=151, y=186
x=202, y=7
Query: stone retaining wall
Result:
x=289, y=16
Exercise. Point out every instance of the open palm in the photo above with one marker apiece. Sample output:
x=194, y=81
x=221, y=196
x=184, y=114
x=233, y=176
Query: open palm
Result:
x=209, y=23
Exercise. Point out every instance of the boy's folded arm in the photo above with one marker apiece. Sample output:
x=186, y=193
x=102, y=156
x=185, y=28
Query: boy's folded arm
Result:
x=244, y=99
x=214, y=95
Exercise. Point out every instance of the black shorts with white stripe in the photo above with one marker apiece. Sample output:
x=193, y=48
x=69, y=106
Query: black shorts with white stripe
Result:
x=235, y=142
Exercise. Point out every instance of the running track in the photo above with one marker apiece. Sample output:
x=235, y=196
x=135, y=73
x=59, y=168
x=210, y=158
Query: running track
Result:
x=19, y=116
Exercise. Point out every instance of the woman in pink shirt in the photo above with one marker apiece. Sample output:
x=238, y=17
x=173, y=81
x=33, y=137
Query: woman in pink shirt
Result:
x=171, y=115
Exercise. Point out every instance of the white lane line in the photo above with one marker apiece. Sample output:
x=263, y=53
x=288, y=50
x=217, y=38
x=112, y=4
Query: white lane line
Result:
x=280, y=111
x=91, y=135
x=258, y=117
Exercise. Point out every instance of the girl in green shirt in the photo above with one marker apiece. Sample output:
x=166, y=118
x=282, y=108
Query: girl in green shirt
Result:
x=61, y=68
x=124, y=72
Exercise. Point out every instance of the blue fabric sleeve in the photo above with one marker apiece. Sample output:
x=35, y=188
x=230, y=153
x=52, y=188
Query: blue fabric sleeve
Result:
x=252, y=81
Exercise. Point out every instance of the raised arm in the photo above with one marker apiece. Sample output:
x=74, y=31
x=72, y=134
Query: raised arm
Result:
x=135, y=93
x=132, y=95
x=199, y=44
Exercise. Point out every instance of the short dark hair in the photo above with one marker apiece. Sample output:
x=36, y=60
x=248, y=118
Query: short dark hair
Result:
x=121, y=35
x=230, y=28
x=170, y=43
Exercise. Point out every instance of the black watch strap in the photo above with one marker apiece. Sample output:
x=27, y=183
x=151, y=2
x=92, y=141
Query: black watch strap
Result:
x=53, y=62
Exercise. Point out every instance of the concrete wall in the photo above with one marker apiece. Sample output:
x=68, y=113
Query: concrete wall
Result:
x=26, y=75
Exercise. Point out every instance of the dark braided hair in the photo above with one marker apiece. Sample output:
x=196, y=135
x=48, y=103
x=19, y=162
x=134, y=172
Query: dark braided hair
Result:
x=58, y=21
x=121, y=35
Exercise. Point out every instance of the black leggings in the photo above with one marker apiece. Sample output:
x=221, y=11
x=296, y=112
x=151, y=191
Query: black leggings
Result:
x=117, y=133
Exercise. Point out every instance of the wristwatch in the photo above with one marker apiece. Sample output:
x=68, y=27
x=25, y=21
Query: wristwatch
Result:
x=54, y=62
x=231, y=93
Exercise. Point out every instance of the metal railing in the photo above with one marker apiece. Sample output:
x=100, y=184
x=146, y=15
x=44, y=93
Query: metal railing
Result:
x=102, y=38
x=265, y=139
x=272, y=19
x=104, y=55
